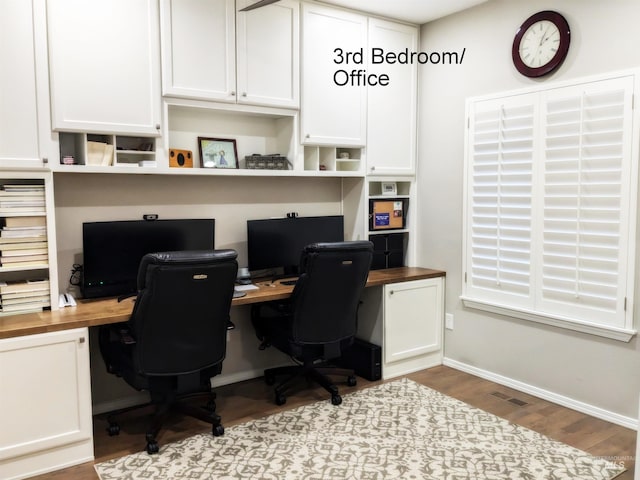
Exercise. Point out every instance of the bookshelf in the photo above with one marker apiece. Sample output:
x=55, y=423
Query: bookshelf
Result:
x=25, y=250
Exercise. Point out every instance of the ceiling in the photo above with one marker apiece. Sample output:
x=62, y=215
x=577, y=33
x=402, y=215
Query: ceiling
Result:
x=413, y=11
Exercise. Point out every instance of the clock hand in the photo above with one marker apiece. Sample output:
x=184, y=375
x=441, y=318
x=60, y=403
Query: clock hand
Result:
x=543, y=39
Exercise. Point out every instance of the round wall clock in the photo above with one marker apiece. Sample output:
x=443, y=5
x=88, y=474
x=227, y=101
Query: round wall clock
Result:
x=541, y=44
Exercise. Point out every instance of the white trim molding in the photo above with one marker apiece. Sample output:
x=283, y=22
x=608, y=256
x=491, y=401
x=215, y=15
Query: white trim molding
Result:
x=607, y=331
x=568, y=402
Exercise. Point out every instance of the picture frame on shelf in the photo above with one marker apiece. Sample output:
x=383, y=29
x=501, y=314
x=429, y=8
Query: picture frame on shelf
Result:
x=389, y=188
x=218, y=152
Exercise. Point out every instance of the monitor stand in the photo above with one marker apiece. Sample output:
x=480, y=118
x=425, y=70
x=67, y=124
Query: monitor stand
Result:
x=290, y=275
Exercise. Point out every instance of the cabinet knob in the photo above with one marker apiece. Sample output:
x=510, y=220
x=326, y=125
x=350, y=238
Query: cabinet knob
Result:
x=390, y=292
x=157, y=126
x=233, y=94
x=244, y=94
x=45, y=160
x=373, y=168
x=81, y=340
x=307, y=136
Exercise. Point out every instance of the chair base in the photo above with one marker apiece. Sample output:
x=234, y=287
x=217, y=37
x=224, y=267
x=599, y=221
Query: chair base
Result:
x=312, y=372
x=163, y=409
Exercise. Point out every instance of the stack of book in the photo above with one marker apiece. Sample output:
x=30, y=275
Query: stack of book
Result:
x=24, y=296
x=22, y=199
x=23, y=242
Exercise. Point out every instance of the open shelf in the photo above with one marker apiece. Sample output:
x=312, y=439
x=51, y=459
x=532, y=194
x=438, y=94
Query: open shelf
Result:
x=333, y=159
x=105, y=151
x=254, y=132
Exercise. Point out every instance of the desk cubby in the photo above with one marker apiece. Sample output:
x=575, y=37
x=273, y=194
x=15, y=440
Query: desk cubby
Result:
x=333, y=159
x=79, y=150
x=396, y=246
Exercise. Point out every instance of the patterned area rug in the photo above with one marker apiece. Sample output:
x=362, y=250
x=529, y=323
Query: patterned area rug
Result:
x=399, y=430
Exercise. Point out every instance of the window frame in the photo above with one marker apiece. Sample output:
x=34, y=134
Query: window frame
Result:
x=528, y=307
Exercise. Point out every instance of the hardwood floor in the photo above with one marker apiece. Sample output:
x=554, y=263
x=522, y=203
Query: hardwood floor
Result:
x=244, y=401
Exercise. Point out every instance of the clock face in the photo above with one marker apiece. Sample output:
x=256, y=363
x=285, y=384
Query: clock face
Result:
x=541, y=44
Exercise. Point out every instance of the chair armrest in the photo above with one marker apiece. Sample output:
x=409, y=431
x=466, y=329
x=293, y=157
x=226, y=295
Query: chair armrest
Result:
x=125, y=337
x=125, y=296
x=275, y=308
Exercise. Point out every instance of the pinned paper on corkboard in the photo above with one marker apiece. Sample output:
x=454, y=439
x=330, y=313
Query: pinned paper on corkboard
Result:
x=388, y=214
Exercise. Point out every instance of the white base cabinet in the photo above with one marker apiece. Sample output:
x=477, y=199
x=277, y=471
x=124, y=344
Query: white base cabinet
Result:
x=45, y=406
x=406, y=319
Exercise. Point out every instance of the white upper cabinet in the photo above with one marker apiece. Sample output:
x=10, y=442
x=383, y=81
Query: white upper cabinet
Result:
x=201, y=61
x=25, y=138
x=333, y=107
x=199, y=49
x=104, y=62
x=391, y=111
x=268, y=65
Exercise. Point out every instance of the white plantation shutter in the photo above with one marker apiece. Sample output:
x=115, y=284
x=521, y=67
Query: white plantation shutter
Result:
x=586, y=175
x=550, y=205
x=500, y=198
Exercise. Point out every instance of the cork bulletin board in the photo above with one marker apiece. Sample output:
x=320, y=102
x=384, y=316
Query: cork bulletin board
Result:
x=387, y=214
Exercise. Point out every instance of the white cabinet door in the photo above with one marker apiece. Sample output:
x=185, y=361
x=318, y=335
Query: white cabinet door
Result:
x=104, y=65
x=199, y=49
x=413, y=318
x=332, y=114
x=200, y=59
x=268, y=54
x=391, y=111
x=25, y=138
x=45, y=408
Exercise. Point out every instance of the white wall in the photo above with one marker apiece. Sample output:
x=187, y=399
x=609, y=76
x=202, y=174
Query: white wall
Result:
x=599, y=372
x=230, y=200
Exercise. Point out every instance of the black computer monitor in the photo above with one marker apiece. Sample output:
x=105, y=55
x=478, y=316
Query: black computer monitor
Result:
x=277, y=243
x=113, y=250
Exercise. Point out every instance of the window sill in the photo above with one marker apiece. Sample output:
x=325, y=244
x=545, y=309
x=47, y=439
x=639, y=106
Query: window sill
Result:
x=615, y=333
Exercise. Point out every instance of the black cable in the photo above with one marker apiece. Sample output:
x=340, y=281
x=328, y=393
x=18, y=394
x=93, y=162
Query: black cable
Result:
x=76, y=275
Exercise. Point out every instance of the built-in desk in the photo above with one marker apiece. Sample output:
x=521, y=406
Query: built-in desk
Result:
x=91, y=313
x=45, y=403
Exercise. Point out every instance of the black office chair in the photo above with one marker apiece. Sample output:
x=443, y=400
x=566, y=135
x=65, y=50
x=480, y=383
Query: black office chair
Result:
x=320, y=320
x=176, y=337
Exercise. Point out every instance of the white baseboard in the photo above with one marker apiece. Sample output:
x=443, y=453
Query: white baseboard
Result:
x=142, y=398
x=582, y=407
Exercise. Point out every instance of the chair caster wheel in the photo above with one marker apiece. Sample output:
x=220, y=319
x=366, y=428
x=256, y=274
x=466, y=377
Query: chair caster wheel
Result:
x=113, y=429
x=336, y=399
x=269, y=378
x=217, y=430
x=280, y=399
x=152, y=447
x=351, y=380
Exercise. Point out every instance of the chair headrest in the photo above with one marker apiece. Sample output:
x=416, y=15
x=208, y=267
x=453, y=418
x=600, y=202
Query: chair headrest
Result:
x=185, y=257
x=189, y=256
x=351, y=246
